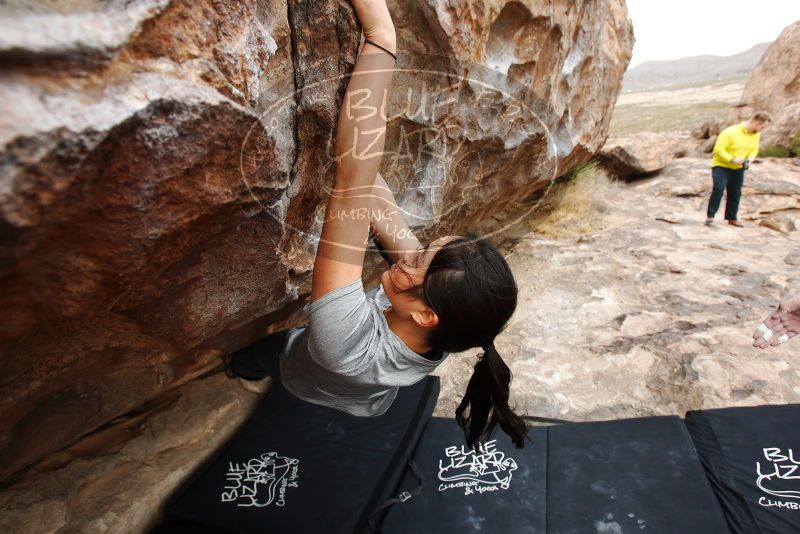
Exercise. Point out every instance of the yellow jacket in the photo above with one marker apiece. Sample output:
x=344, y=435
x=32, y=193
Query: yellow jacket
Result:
x=735, y=142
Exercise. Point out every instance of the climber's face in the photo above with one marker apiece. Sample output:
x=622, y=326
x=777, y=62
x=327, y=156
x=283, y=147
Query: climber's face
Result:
x=402, y=282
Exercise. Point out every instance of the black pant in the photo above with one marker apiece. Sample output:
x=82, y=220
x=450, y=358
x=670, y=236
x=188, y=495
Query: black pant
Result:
x=730, y=180
x=261, y=358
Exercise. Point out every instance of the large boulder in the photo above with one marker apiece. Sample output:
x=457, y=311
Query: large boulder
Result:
x=644, y=153
x=785, y=128
x=124, y=491
x=163, y=168
x=774, y=86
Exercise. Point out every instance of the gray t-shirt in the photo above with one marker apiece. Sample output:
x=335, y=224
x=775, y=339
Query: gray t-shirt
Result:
x=347, y=357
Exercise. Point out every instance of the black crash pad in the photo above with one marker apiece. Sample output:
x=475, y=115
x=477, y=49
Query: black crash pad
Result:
x=497, y=488
x=631, y=475
x=297, y=467
x=752, y=458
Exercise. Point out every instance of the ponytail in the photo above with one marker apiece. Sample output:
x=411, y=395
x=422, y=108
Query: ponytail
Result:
x=471, y=288
x=486, y=402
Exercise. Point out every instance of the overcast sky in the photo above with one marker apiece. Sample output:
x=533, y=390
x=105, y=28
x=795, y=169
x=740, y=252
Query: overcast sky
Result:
x=678, y=28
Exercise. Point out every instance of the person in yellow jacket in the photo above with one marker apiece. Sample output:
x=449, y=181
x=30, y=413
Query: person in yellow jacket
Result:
x=735, y=148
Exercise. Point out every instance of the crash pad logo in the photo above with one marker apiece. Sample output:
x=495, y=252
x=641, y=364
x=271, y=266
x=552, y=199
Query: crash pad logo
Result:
x=476, y=471
x=260, y=481
x=779, y=476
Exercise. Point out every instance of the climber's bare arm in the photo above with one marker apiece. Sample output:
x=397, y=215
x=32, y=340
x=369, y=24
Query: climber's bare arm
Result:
x=389, y=223
x=358, y=148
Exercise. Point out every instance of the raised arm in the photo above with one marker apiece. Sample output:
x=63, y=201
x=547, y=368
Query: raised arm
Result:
x=358, y=148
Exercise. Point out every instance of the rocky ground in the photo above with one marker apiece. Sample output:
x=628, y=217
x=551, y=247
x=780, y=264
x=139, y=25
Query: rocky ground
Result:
x=650, y=313
x=653, y=313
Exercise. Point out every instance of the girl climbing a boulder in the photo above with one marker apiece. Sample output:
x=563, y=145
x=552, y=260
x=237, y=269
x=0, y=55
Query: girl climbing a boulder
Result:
x=454, y=294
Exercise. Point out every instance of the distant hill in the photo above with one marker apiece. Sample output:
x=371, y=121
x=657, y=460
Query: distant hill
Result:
x=653, y=74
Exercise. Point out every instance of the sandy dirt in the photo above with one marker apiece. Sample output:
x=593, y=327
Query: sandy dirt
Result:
x=677, y=109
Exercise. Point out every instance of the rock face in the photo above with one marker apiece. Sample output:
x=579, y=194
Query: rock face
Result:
x=785, y=127
x=163, y=165
x=642, y=154
x=124, y=491
x=774, y=86
x=705, y=135
x=707, y=130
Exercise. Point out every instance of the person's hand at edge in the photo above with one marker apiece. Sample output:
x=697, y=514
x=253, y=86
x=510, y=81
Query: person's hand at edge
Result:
x=780, y=326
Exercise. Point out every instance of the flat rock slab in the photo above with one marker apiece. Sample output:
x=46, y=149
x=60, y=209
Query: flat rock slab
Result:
x=645, y=153
x=652, y=315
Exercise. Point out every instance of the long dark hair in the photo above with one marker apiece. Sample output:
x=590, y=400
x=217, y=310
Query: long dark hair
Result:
x=470, y=287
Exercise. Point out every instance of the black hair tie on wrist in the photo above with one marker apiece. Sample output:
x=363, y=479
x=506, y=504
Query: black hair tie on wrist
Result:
x=382, y=48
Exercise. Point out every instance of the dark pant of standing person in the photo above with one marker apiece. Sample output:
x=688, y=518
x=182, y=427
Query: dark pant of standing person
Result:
x=730, y=180
x=259, y=359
